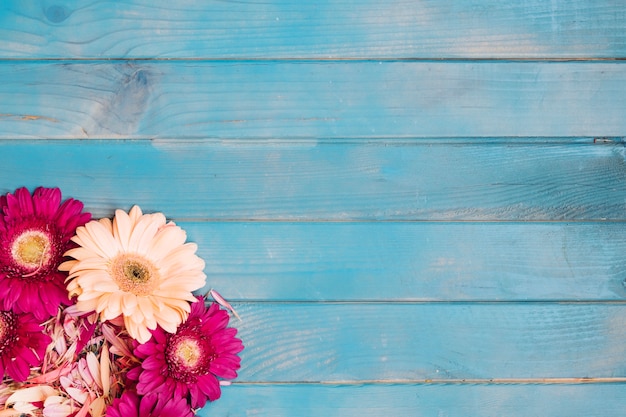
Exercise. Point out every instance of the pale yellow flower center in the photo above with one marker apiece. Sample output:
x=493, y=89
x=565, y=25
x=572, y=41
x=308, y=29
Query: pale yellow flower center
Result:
x=134, y=273
x=188, y=352
x=31, y=249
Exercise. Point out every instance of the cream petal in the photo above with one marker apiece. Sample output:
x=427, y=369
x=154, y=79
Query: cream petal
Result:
x=90, y=279
x=135, y=214
x=158, y=218
x=96, y=237
x=90, y=295
x=147, y=308
x=139, y=332
x=180, y=305
x=178, y=294
x=181, y=281
x=129, y=303
x=73, y=289
x=92, y=262
x=101, y=304
x=102, y=287
x=136, y=317
x=106, y=222
x=123, y=228
x=167, y=239
x=79, y=253
x=32, y=394
x=97, y=407
x=169, y=326
x=67, y=265
x=105, y=370
x=182, y=258
x=84, y=276
x=171, y=316
x=86, y=305
x=93, y=365
x=114, y=305
x=144, y=232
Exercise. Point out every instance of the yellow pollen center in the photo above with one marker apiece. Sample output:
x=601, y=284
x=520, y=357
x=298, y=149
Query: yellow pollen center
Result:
x=188, y=352
x=31, y=249
x=134, y=273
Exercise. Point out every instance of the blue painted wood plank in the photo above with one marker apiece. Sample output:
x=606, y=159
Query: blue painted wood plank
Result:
x=600, y=400
x=290, y=28
x=393, y=342
x=329, y=180
x=413, y=261
x=313, y=99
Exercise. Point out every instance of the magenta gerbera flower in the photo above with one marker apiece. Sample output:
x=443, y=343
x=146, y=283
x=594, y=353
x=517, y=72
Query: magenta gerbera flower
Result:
x=150, y=405
x=188, y=363
x=35, y=232
x=22, y=344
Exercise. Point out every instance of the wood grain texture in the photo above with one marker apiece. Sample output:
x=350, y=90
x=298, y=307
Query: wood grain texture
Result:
x=419, y=342
x=390, y=262
x=403, y=199
x=420, y=400
x=329, y=180
x=288, y=28
x=312, y=99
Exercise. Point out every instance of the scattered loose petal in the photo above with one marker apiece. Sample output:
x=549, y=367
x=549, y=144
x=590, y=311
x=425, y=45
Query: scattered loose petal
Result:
x=221, y=301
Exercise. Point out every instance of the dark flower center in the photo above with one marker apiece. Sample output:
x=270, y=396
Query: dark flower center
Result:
x=134, y=273
x=188, y=355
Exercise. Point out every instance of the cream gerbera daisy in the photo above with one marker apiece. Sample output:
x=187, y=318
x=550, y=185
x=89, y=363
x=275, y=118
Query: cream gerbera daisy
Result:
x=137, y=266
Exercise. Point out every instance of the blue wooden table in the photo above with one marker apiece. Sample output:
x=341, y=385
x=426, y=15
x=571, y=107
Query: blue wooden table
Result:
x=417, y=208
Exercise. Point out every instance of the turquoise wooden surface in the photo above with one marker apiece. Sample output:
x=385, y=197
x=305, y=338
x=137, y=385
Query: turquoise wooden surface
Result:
x=424, y=400
x=407, y=343
x=509, y=179
x=311, y=99
x=288, y=29
x=417, y=207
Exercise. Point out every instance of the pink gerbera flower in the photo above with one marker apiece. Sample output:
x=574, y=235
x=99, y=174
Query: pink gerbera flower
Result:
x=188, y=362
x=150, y=405
x=22, y=344
x=35, y=232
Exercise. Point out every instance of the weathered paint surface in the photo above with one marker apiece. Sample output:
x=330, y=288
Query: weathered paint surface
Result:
x=417, y=208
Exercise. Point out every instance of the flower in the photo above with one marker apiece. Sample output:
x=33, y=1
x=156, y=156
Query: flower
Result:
x=113, y=329
x=35, y=231
x=22, y=344
x=150, y=405
x=137, y=266
x=189, y=362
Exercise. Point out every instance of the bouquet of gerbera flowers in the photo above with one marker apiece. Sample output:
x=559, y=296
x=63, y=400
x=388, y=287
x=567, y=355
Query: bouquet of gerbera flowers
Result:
x=98, y=317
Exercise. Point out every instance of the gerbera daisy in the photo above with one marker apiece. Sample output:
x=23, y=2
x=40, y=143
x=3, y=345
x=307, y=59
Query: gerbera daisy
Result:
x=35, y=231
x=138, y=266
x=189, y=362
x=150, y=405
x=22, y=344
